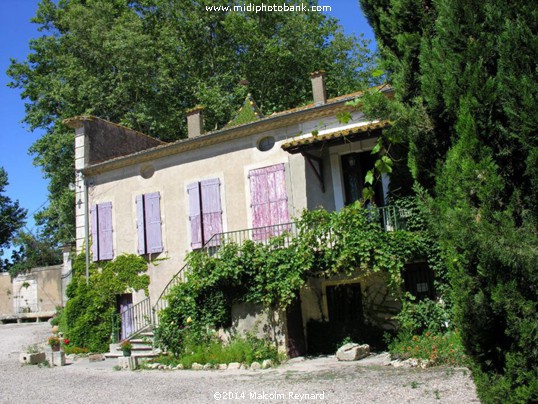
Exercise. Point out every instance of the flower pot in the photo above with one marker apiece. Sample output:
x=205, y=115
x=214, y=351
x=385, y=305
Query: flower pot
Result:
x=126, y=352
x=55, y=348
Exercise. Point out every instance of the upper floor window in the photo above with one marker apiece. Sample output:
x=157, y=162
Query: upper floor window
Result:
x=101, y=226
x=148, y=223
x=354, y=169
x=205, y=211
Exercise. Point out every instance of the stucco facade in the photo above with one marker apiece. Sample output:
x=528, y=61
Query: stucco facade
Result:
x=117, y=167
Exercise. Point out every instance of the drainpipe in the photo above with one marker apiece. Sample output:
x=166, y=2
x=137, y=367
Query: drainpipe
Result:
x=86, y=229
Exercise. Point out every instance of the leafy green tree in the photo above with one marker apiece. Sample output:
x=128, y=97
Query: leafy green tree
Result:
x=12, y=217
x=143, y=63
x=470, y=66
x=33, y=251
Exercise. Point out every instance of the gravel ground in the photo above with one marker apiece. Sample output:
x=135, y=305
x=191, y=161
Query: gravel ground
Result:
x=334, y=382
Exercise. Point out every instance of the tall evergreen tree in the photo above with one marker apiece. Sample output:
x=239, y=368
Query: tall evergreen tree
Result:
x=143, y=63
x=472, y=67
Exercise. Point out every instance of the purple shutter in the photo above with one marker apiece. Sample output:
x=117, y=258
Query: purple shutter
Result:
x=269, y=200
x=140, y=227
x=153, y=223
x=278, y=196
x=104, y=212
x=259, y=202
x=211, y=209
x=195, y=217
x=94, y=227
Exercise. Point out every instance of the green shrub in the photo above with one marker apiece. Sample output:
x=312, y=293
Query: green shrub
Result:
x=415, y=318
x=439, y=349
x=210, y=349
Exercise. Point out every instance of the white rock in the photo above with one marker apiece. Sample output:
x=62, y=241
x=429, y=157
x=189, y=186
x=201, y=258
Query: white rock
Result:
x=208, y=366
x=234, y=365
x=196, y=366
x=255, y=366
x=266, y=364
x=223, y=366
x=352, y=352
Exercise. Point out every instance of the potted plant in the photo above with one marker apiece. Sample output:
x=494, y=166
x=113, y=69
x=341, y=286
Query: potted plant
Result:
x=126, y=347
x=54, y=343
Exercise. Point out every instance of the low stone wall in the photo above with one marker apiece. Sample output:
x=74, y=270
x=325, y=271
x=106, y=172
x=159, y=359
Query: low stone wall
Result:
x=31, y=296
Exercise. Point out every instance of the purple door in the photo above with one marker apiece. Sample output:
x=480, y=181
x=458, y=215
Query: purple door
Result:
x=125, y=303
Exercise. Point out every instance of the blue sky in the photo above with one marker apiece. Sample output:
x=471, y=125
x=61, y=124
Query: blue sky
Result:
x=26, y=183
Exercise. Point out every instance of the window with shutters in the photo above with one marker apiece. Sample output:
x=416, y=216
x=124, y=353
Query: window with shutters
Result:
x=101, y=226
x=269, y=201
x=148, y=223
x=205, y=212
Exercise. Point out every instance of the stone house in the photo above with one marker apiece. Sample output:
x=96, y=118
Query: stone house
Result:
x=136, y=194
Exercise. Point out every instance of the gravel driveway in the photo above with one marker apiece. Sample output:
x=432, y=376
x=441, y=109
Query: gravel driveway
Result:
x=317, y=380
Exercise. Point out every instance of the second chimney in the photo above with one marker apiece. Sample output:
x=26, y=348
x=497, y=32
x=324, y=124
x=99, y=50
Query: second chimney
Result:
x=318, y=87
x=195, y=121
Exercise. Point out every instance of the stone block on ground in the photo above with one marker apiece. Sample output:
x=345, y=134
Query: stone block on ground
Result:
x=96, y=357
x=56, y=358
x=352, y=352
x=127, y=362
x=196, y=366
x=222, y=366
x=32, y=358
x=255, y=366
x=267, y=363
x=234, y=365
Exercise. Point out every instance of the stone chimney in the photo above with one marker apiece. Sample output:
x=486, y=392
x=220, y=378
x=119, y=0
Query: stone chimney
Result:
x=195, y=121
x=318, y=87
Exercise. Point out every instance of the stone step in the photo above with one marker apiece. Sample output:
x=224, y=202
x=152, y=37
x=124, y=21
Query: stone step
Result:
x=133, y=353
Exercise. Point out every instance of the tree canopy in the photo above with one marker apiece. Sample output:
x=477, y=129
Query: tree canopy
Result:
x=470, y=67
x=12, y=216
x=143, y=63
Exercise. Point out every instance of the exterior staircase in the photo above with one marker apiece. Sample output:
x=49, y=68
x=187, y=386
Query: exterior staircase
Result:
x=142, y=346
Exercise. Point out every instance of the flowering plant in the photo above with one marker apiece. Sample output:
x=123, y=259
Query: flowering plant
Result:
x=53, y=341
x=126, y=345
x=66, y=341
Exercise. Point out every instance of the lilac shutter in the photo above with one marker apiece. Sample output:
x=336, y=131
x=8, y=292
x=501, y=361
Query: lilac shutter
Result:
x=104, y=211
x=153, y=223
x=259, y=201
x=140, y=226
x=211, y=209
x=278, y=196
x=269, y=199
x=94, y=227
x=195, y=217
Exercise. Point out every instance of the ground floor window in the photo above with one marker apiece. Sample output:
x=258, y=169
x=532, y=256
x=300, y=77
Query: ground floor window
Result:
x=344, y=303
x=418, y=280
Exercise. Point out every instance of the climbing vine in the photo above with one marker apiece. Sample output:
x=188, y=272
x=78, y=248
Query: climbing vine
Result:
x=271, y=274
x=87, y=317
